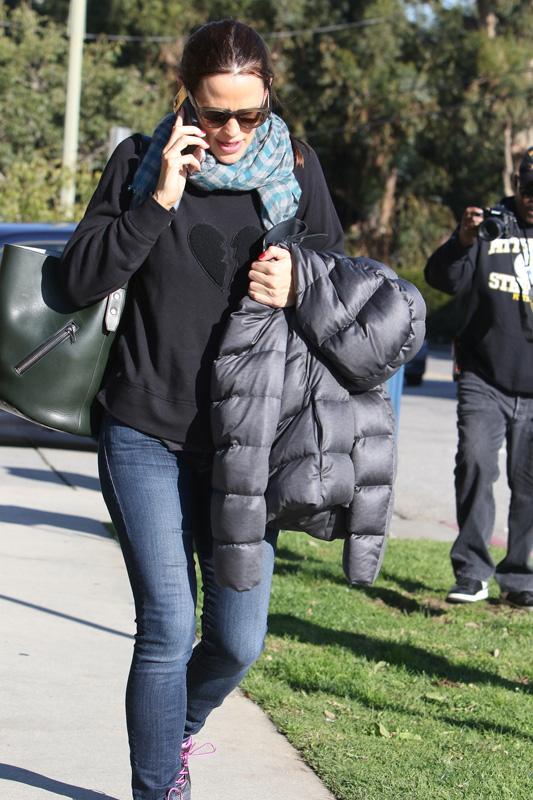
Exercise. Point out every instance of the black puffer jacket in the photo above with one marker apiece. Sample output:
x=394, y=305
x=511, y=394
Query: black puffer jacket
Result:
x=303, y=428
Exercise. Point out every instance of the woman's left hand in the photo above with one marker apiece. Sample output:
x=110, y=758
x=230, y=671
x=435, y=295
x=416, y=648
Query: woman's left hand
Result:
x=271, y=281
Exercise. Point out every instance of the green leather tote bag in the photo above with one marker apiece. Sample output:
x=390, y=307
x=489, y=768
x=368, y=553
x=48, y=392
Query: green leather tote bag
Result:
x=52, y=354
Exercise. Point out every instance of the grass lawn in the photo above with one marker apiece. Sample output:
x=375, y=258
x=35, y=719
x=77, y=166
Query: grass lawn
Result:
x=388, y=692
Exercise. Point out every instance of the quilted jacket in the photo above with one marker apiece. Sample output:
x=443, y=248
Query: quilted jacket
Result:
x=302, y=424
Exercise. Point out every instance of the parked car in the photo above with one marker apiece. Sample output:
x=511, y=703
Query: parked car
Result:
x=46, y=235
x=415, y=369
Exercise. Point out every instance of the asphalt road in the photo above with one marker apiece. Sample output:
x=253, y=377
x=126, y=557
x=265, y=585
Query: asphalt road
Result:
x=425, y=504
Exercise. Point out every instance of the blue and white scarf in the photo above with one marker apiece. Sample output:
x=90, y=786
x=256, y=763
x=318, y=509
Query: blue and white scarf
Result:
x=267, y=166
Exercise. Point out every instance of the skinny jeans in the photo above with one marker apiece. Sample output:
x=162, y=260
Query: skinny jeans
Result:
x=486, y=416
x=159, y=503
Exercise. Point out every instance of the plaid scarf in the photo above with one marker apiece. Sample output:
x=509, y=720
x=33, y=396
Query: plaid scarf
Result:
x=267, y=166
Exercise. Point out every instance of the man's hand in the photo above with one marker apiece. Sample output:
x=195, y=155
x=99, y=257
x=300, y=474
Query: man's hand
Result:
x=470, y=222
x=271, y=280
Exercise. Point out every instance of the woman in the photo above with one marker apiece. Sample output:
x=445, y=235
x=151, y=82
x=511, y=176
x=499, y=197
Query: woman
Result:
x=182, y=223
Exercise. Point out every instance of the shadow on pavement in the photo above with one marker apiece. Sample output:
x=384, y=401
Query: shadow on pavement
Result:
x=18, y=515
x=57, y=788
x=68, y=617
x=70, y=478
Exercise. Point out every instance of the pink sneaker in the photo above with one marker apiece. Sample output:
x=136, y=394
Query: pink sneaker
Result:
x=182, y=787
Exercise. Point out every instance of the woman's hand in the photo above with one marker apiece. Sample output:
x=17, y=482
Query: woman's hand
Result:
x=271, y=279
x=176, y=165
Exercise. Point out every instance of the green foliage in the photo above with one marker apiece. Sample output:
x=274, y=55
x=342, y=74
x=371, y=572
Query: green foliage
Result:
x=33, y=59
x=481, y=85
x=406, y=103
x=32, y=81
x=387, y=691
x=116, y=95
x=30, y=190
x=347, y=92
x=33, y=63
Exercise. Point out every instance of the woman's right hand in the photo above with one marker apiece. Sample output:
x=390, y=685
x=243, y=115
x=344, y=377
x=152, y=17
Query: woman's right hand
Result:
x=176, y=164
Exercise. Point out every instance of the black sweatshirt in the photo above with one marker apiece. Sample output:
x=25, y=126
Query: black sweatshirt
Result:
x=493, y=342
x=186, y=271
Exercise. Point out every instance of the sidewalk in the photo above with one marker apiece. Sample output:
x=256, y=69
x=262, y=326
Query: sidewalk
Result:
x=66, y=625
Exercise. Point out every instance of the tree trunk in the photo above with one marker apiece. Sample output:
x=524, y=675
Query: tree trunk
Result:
x=389, y=201
x=488, y=20
x=508, y=159
x=388, y=205
x=374, y=234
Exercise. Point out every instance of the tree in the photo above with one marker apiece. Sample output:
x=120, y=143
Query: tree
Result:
x=33, y=62
x=481, y=75
x=359, y=96
x=414, y=107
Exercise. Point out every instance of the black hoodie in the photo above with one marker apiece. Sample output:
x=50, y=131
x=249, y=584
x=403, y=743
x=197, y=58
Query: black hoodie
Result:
x=494, y=339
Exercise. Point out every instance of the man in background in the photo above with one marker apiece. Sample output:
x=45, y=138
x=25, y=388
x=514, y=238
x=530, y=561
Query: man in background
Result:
x=489, y=261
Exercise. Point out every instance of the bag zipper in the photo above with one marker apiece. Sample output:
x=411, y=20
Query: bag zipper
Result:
x=68, y=331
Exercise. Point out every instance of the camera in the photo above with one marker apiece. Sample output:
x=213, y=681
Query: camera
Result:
x=497, y=223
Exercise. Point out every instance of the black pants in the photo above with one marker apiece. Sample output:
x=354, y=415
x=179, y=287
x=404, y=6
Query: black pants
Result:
x=485, y=417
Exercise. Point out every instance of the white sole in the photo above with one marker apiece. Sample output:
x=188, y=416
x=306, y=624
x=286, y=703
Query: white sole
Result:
x=458, y=597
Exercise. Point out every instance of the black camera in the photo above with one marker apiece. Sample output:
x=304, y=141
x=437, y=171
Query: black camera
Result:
x=497, y=223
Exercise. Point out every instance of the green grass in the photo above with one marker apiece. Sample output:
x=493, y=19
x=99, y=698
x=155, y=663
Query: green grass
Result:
x=388, y=692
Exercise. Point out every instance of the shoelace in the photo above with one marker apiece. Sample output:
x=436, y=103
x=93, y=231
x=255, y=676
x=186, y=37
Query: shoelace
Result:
x=189, y=748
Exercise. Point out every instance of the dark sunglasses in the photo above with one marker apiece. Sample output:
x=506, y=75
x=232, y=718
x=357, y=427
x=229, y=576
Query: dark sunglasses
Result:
x=246, y=117
x=526, y=191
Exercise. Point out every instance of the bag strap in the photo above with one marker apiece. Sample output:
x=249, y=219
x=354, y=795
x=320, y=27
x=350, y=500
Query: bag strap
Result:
x=113, y=309
x=117, y=299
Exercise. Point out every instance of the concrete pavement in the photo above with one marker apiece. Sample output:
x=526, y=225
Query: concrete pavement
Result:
x=66, y=625
x=427, y=442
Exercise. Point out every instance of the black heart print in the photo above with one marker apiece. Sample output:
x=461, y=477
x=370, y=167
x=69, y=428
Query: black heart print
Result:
x=220, y=258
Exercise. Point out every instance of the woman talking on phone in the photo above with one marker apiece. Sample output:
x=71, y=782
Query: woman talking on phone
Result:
x=181, y=220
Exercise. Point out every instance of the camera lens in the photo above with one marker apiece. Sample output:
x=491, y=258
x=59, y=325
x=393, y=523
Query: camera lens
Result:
x=490, y=229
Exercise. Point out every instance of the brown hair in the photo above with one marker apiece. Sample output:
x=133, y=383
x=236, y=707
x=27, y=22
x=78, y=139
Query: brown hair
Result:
x=227, y=46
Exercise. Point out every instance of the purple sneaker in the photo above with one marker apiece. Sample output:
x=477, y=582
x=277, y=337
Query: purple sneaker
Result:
x=182, y=787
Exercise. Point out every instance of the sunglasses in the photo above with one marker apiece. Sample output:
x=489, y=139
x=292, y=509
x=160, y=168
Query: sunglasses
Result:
x=526, y=191
x=247, y=118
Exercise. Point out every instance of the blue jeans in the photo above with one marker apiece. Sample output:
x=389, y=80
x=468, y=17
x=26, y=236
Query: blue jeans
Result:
x=486, y=417
x=159, y=504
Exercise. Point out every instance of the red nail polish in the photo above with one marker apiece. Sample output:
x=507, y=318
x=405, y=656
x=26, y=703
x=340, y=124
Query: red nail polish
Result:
x=260, y=257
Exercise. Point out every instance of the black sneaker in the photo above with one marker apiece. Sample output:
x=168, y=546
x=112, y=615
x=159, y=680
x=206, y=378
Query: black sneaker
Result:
x=468, y=590
x=522, y=600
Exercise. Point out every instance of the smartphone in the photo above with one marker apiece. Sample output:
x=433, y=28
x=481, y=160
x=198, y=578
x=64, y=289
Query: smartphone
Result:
x=189, y=114
x=189, y=118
